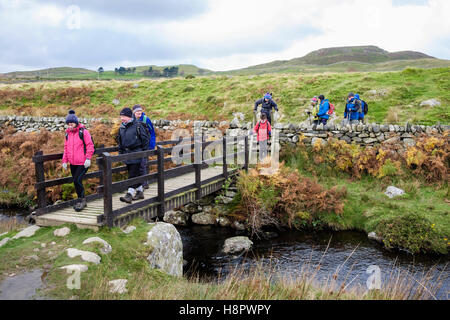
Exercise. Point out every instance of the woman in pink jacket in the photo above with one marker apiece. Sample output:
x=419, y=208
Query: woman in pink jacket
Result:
x=263, y=131
x=78, y=152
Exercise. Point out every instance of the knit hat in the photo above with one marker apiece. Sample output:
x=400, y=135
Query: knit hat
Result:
x=314, y=99
x=71, y=117
x=126, y=112
x=351, y=94
x=267, y=96
x=321, y=97
x=137, y=108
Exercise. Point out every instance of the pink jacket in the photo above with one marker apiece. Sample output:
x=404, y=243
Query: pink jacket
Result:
x=74, y=147
x=262, y=130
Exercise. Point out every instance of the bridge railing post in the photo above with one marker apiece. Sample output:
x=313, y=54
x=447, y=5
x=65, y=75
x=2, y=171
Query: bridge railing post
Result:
x=246, y=153
x=224, y=153
x=161, y=193
x=107, y=188
x=198, y=168
x=100, y=166
x=40, y=177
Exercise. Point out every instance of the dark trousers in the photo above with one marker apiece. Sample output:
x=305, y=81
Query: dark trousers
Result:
x=143, y=170
x=133, y=172
x=77, y=173
x=320, y=121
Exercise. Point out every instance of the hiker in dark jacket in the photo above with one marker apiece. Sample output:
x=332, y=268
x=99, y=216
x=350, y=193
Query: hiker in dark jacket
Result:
x=139, y=114
x=266, y=105
x=133, y=137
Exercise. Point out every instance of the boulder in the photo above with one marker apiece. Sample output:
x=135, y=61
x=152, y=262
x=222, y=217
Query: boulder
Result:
x=178, y=218
x=237, y=245
x=238, y=226
x=191, y=208
x=167, y=249
x=430, y=103
x=409, y=142
x=118, y=286
x=62, y=232
x=223, y=221
x=106, y=246
x=392, y=192
x=75, y=267
x=27, y=232
x=203, y=218
x=129, y=229
x=373, y=236
x=4, y=241
x=85, y=255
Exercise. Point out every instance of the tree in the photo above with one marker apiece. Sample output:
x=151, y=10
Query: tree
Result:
x=100, y=71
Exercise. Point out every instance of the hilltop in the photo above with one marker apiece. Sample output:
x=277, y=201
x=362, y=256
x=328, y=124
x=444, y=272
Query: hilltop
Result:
x=339, y=59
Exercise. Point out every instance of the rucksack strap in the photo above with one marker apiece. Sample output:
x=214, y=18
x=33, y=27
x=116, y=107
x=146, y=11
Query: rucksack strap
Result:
x=81, y=134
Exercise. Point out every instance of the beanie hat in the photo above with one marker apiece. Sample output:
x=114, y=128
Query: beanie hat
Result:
x=314, y=99
x=351, y=94
x=126, y=112
x=137, y=108
x=71, y=117
x=321, y=97
x=267, y=96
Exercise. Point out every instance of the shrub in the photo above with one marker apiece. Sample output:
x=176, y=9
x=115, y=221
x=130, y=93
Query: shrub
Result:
x=190, y=76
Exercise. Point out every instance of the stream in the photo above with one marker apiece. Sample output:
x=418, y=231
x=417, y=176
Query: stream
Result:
x=352, y=252
x=288, y=252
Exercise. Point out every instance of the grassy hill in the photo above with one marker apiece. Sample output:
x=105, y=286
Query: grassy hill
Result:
x=348, y=59
x=397, y=98
x=62, y=72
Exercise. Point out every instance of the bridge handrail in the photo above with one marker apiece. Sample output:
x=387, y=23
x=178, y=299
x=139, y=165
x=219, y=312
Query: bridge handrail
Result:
x=107, y=187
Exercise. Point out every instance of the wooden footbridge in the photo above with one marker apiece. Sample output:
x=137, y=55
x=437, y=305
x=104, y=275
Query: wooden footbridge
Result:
x=168, y=187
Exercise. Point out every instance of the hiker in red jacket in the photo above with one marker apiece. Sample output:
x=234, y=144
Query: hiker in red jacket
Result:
x=78, y=152
x=263, y=131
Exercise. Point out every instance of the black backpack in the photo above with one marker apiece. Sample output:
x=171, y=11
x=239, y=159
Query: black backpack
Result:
x=358, y=104
x=365, y=107
x=81, y=135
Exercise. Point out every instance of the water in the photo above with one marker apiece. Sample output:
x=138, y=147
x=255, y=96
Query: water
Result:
x=8, y=214
x=24, y=286
x=292, y=250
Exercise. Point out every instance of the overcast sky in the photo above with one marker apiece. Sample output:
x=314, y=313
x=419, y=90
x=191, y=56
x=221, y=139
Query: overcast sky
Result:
x=213, y=34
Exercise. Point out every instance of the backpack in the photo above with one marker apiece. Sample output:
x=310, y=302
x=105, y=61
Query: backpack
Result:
x=365, y=107
x=357, y=103
x=81, y=135
x=331, y=109
x=144, y=121
x=258, y=125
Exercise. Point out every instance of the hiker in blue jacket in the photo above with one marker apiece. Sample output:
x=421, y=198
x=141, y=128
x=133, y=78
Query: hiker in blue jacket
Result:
x=351, y=108
x=324, y=106
x=139, y=114
x=266, y=105
x=361, y=111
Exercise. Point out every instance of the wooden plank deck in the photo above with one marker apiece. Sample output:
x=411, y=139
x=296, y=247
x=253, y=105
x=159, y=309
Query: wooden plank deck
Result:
x=88, y=217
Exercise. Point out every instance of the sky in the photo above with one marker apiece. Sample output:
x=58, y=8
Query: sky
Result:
x=214, y=34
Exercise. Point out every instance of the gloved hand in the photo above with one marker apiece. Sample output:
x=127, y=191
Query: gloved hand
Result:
x=87, y=163
x=64, y=165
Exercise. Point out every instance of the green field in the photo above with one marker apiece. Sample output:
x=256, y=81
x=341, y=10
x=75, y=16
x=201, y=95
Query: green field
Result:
x=398, y=97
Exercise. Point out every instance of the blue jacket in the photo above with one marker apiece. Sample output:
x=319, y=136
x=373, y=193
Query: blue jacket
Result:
x=350, y=110
x=323, y=109
x=151, y=130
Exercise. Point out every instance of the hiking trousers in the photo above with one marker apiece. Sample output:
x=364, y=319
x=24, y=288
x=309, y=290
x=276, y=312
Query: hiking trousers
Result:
x=77, y=173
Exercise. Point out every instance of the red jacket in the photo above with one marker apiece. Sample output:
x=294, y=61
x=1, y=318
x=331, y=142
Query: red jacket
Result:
x=262, y=130
x=74, y=147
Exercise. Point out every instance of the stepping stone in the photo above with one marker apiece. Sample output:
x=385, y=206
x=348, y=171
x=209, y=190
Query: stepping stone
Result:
x=106, y=246
x=4, y=241
x=129, y=229
x=61, y=232
x=27, y=232
x=76, y=267
x=118, y=286
x=85, y=255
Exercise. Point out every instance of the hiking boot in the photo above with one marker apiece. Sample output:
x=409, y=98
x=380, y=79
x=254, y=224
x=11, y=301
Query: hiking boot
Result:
x=139, y=195
x=128, y=198
x=81, y=205
x=146, y=186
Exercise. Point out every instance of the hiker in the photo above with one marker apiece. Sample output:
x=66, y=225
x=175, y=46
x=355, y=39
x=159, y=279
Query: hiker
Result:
x=314, y=110
x=266, y=105
x=78, y=152
x=364, y=108
x=133, y=137
x=263, y=131
x=324, y=107
x=352, y=108
x=139, y=114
